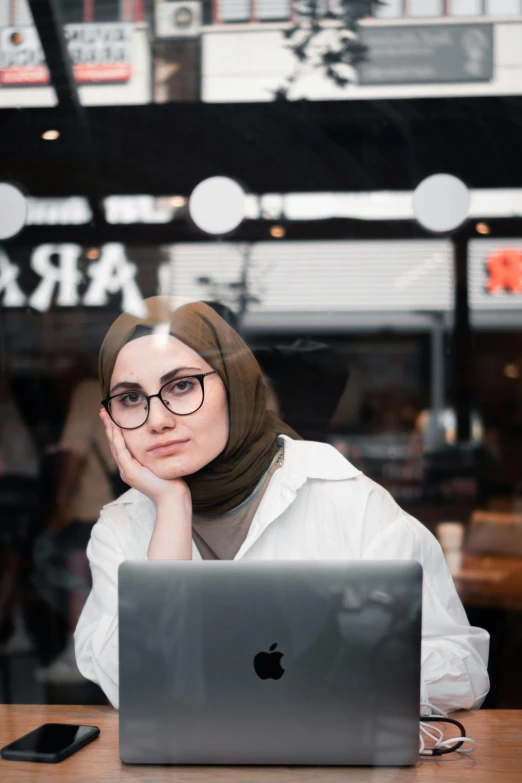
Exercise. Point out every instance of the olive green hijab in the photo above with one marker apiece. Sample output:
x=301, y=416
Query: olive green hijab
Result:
x=230, y=478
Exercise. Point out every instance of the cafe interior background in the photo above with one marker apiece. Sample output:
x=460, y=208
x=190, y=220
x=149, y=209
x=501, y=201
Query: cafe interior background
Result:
x=372, y=223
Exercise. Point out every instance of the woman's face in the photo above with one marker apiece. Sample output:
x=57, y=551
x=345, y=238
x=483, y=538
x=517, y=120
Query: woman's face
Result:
x=171, y=446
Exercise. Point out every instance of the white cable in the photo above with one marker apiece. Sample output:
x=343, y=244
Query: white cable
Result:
x=447, y=743
x=424, y=728
x=436, y=735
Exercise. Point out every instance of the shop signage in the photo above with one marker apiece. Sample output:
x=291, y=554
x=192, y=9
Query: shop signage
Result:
x=336, y=276
x=75, y=210
x=99, y=53
x=427, y=53
x=504, y=268
x=60, y=279
x=495, y=276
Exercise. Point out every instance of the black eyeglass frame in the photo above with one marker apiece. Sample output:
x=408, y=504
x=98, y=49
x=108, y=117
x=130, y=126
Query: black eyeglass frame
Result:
x=200, y=376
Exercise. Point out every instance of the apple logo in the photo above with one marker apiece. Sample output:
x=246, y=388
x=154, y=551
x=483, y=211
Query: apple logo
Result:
x=267, y=665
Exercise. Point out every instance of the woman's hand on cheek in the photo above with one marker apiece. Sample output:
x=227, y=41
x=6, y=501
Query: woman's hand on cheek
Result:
x=137, y=475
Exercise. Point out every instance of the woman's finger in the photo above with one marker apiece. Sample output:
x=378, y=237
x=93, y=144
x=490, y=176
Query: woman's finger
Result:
x=131, y=471
x=118, y=446
x=109, y=429
x=107, y=423
x=124, y=458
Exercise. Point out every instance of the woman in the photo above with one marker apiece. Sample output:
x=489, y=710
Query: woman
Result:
x=214, y=475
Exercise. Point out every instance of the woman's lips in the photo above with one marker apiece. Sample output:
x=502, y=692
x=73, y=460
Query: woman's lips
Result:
x=168, y=448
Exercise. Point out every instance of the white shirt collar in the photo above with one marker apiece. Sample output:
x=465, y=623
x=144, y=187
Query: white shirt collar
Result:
x=308, y=459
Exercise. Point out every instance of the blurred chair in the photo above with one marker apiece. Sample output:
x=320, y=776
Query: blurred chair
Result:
x=495, y=533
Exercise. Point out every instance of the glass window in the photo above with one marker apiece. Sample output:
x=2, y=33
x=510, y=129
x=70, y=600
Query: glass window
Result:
x=399, y=347
x=71, y=11
x=234, y=10
x=273, y=9
x=392, y=10
x=110, y=11
x=419, y=8
x=207, y=12
x=503, y=7
x=465, y=7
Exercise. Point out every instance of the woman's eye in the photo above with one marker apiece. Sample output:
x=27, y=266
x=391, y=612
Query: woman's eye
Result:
x=183, y=386
x=131, y=399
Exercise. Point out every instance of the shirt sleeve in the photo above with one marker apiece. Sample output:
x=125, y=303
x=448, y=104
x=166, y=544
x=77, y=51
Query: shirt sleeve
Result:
x=454, y=655
x=96, y=635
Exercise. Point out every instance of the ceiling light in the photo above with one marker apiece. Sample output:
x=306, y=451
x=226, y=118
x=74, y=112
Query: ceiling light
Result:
x=177, y=201
x=511, y=371
x=217, y=205
x=277, y=231
x=482, y=228
x=13, y=210
x=51, y=135
x=92, y=253
x=441, y=203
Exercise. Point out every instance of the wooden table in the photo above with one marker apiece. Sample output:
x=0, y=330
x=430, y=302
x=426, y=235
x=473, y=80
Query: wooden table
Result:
x=490, y=581
x=497, y=759
x=490, y=587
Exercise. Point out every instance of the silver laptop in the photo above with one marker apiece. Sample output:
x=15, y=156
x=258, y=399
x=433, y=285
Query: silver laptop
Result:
x=249, y=662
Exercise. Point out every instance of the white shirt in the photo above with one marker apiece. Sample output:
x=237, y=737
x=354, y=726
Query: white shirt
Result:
x=317, y=506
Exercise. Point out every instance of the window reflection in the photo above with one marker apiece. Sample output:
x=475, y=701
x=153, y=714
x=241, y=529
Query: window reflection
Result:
x=399, y=347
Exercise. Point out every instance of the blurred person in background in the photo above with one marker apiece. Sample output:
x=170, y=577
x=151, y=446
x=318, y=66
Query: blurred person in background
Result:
x=304, y=382
x=18, y=512
x=86, y=480
x=217, y=476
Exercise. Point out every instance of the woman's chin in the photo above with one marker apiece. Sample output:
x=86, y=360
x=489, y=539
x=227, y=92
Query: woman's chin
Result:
x=169, y=470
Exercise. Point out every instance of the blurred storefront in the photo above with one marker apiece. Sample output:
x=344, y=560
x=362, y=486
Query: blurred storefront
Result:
x=386, y=306
x=415, y=48
x=141, y=51
x=109, y=48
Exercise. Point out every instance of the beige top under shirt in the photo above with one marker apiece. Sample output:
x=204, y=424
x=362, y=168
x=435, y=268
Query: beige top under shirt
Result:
x=220, y=538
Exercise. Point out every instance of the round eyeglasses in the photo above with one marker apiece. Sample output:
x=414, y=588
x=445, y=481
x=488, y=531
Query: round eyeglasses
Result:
x=182, y=396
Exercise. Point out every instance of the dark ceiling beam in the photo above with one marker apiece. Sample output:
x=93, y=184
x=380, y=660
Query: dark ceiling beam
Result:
x=166, y=149
x=46, y=16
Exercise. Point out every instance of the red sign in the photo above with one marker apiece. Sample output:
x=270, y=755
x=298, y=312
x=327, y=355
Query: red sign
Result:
x=34, y=74
x=100, y=53
x=505, y=271
x=84, y=74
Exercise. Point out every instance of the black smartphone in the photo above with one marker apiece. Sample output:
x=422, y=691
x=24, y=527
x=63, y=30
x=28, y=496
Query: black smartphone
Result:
x=50, y=743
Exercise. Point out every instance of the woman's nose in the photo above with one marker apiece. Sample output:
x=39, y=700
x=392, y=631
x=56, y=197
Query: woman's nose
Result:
x=159, y=415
